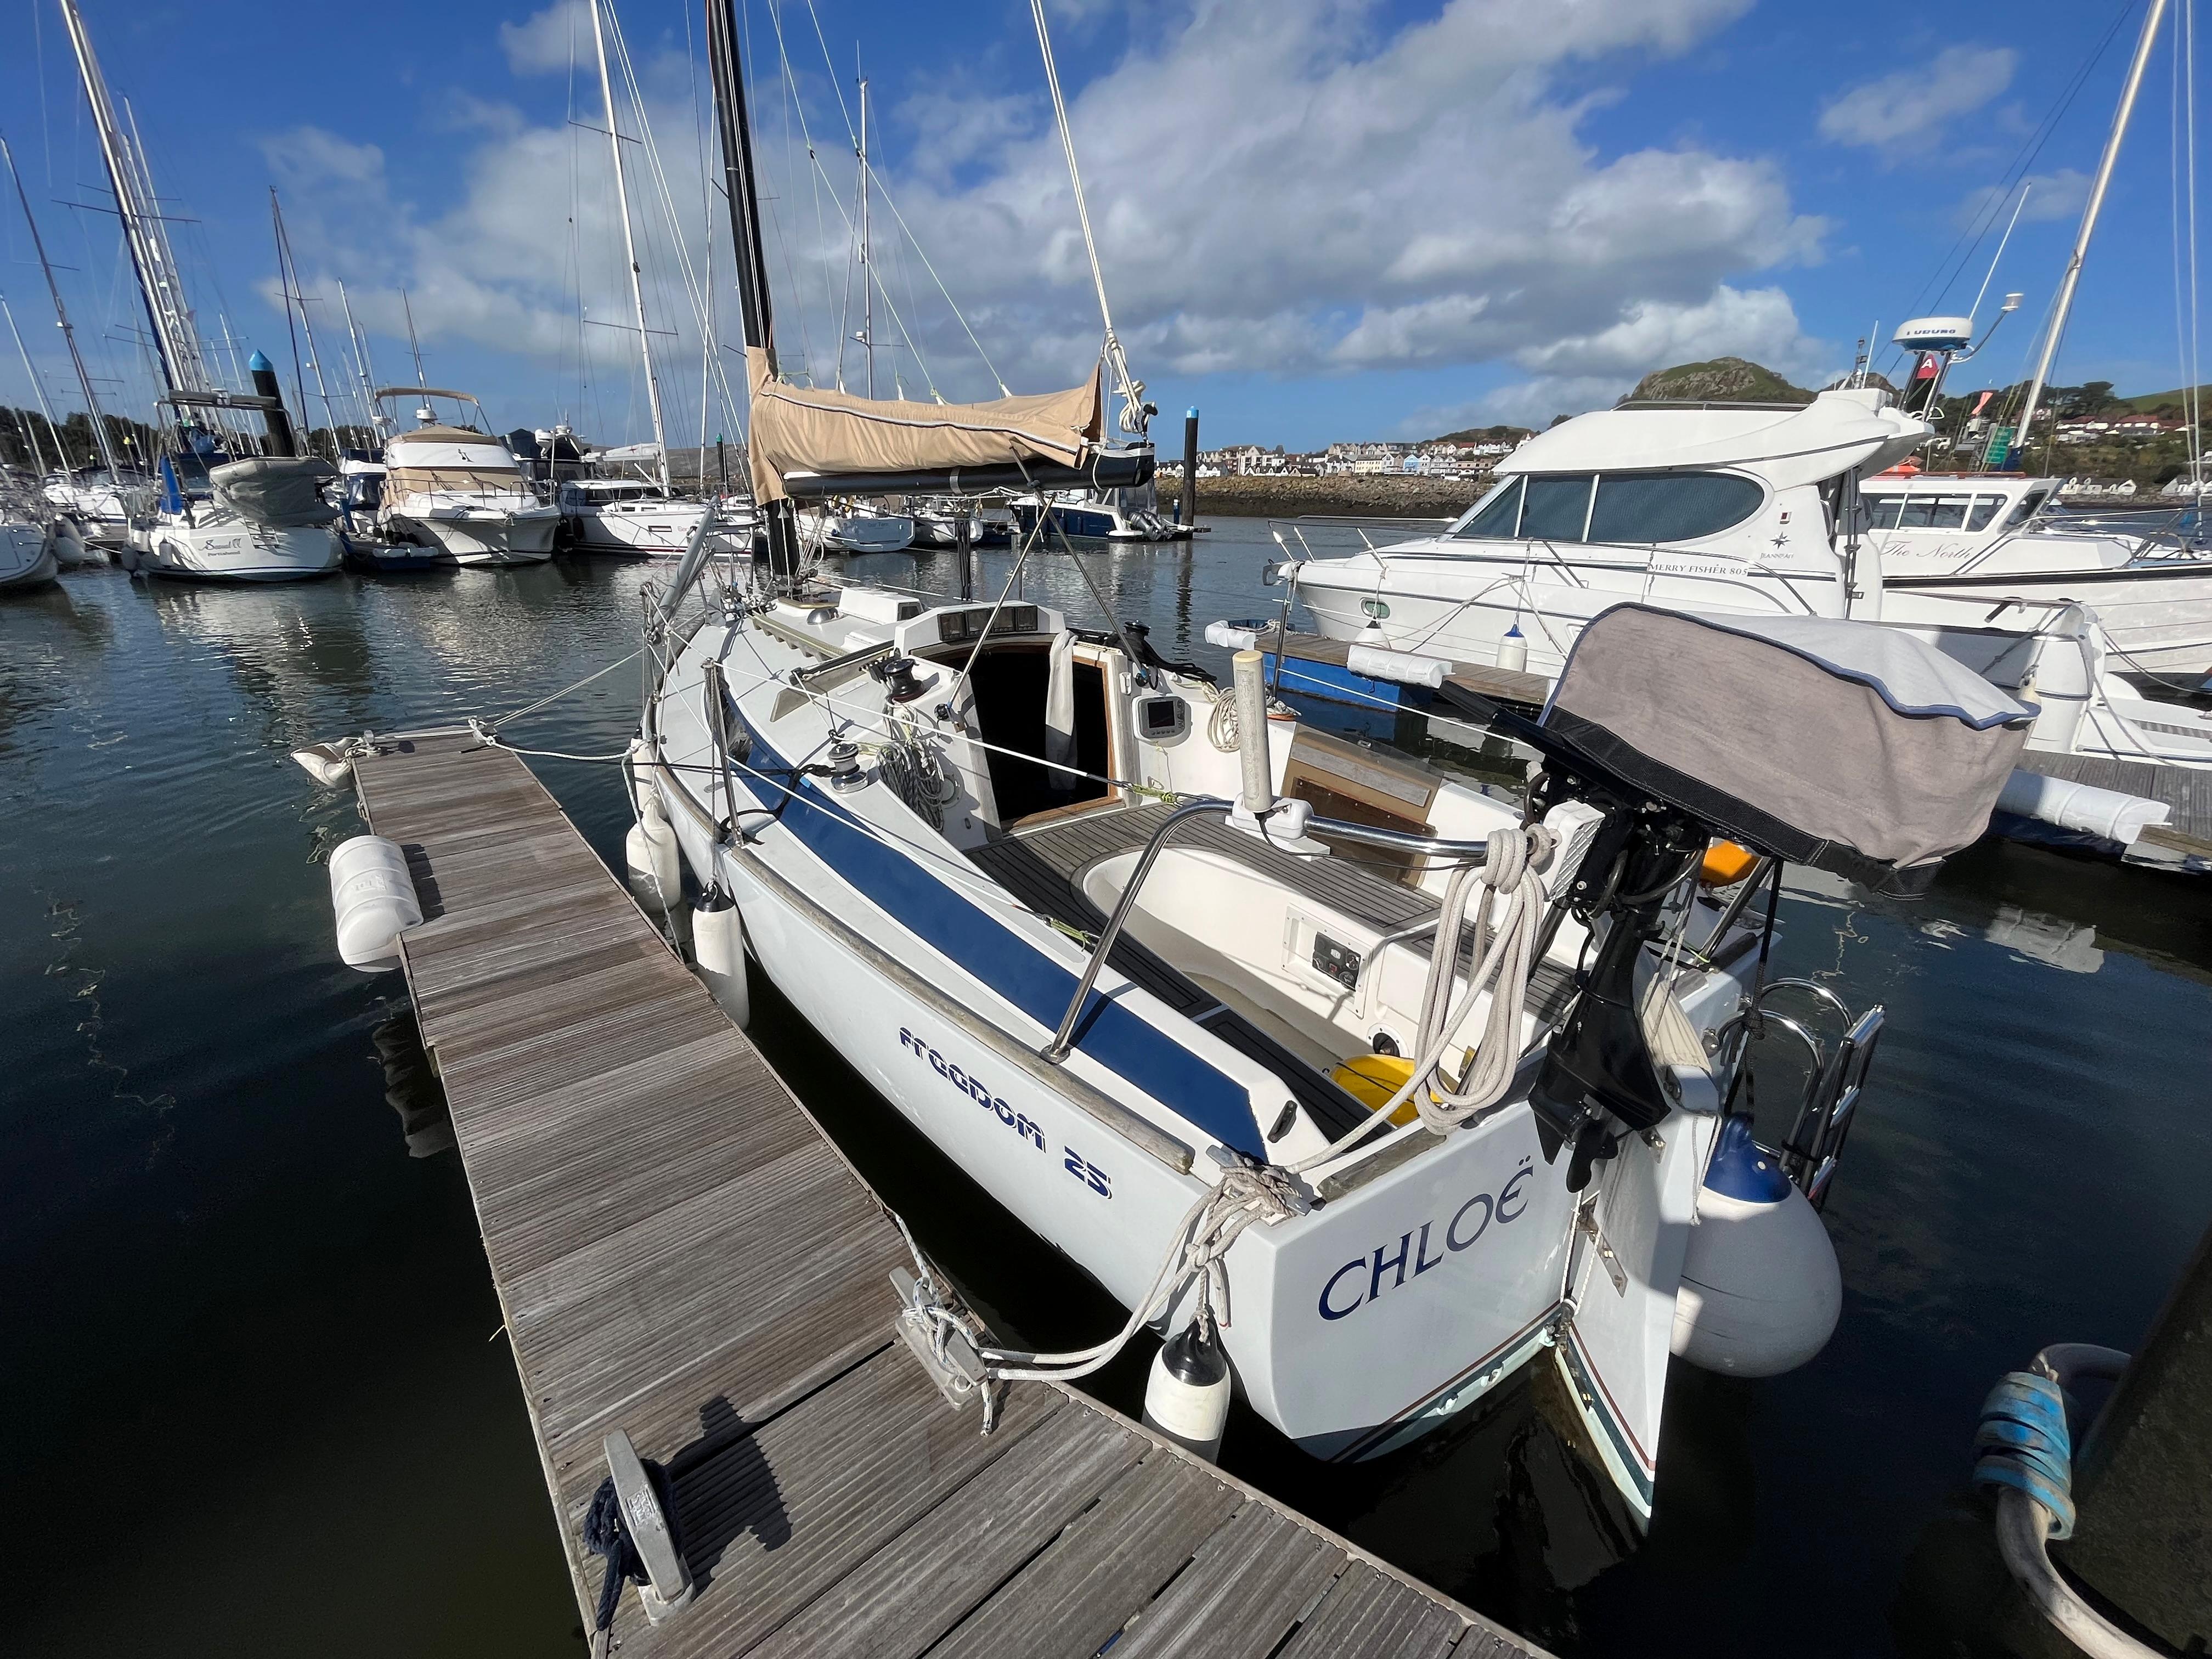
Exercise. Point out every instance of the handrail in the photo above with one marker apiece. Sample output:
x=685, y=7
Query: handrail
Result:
x=1064, y=1038
x=1363, y=833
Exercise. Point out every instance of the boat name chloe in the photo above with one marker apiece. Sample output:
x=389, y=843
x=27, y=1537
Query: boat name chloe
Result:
x=1364, y=1277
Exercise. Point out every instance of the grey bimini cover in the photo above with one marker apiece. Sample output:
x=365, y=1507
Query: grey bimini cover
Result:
x=282, y=490
x=1843, y=744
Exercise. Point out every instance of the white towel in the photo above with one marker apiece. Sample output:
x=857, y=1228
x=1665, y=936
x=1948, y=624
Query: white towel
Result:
x=1059, y=709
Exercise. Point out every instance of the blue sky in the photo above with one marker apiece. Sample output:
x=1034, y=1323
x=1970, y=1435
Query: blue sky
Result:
x=1318, y=218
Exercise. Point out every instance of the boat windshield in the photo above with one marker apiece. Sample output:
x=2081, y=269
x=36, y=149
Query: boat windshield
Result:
x=1950, y=511
x=1634, y=508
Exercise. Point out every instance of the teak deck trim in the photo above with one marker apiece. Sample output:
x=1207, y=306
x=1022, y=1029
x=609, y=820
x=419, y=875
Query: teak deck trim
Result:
x=680, y=1253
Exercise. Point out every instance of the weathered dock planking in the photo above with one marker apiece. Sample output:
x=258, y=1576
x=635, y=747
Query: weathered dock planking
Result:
x=681, y=1254
x=2187, y=836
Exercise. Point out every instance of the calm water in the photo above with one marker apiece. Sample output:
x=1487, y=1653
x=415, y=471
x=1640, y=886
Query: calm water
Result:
x=255, y=1397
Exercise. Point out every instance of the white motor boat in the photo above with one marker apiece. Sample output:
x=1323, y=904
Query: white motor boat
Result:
x=99, y=504
x=854, y=528
x=27, y=555
x=1987, y=539
x=634, y=518
x=1128, y=514
x=262, y=519
x=453, y=487
x=938, y=525
x=1746, y=509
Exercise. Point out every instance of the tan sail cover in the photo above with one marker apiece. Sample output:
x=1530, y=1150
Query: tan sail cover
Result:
x=798, y=429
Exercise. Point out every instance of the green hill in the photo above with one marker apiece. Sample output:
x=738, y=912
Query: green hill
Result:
x=1724, y=379
x=2152, y=402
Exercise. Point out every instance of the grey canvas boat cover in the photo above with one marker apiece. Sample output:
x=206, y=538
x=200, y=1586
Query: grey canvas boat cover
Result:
x=1845, y=745
x=282, y=490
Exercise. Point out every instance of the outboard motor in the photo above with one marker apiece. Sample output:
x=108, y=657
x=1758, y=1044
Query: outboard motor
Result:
x=1813, y=740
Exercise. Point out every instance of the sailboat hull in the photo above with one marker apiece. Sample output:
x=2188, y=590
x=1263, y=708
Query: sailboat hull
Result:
x=1401, y=1300
x=27, y=557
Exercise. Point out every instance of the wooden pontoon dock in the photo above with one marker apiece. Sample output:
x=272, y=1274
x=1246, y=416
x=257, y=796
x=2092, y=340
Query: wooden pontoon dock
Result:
x=682, y=1255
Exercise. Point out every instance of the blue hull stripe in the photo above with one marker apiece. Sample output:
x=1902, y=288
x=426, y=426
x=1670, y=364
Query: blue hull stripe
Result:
x=1010, y=965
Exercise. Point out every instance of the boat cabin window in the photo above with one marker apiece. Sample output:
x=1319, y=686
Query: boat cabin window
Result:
x=1499, y=518
x=1670, y=507
x=1556, y=509
x=1010, y=683
x=1634, y=508
x=1947, y=512
x=2030, y=505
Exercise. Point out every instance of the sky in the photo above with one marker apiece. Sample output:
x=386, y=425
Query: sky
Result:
x=1316, y=219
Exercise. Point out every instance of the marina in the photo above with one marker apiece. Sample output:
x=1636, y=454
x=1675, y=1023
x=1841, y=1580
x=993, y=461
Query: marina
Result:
x=633, y=1205
x=924, y=1042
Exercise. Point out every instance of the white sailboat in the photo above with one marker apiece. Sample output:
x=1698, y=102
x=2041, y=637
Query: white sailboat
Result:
x=28, y=558
x=264, y=519
x=98, y=504
x=636, y=518
x=1325, y=1095
x=450, y=485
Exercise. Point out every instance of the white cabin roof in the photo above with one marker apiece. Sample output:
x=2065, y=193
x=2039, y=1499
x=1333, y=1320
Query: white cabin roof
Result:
x=1786, y=445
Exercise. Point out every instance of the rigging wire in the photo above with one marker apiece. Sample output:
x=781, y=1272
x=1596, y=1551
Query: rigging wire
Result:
x=1132, y=390
x=1960, y=254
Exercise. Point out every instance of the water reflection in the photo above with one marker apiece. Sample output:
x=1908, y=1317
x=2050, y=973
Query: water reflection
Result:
x=229, y=1212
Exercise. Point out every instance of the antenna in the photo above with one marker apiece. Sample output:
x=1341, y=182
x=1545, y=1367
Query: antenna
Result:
x=1975, y=309
x=413, y=344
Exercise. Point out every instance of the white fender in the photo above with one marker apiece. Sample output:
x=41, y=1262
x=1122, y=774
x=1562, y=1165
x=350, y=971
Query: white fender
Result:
x=372, y=899
x=656, y=870
x=1760, y=1291
x=718, y=950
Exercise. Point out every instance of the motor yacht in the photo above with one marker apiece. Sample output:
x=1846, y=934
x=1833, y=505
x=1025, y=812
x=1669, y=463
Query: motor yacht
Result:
x=453, y=486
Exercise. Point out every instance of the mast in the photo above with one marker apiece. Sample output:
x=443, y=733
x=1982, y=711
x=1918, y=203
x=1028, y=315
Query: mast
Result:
x=175, y=345
x=287, y=276
x=362, y=366
x=37, y=387
x=2073, y=277
x=101, y=441
x=867, y=273
x=630, y=245
x=727, y=70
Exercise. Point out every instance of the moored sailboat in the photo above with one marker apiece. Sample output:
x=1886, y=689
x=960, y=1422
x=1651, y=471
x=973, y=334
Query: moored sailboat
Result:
x=1327, y=1094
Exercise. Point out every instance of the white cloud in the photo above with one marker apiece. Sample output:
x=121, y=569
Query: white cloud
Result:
x=2051, y=195
x=1293, y=187
x=1593, y=371
x=1287, y=187
x=1906, y=113
x=548, y=40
